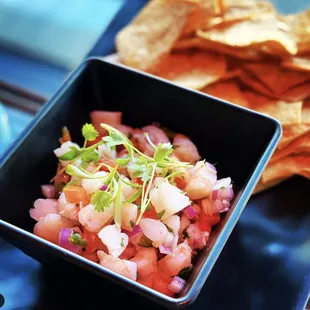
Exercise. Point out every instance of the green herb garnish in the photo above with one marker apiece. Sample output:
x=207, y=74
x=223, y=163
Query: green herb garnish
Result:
x=101, y=200
x=122, y=242
x=77, y=240
x=160, y=214
x=185, y=272
x=132, y=224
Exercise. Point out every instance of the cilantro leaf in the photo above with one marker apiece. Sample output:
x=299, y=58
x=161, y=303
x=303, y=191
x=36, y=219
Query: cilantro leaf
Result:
x=160, y=214
x=185, y=272
x=135, y=196
x=118, y=206
x=81, y=173
x=89, y=156
x=132, y=224
x=70, y=155
x=89, y=132
x=122, y=161
x=122, y=242
x=101, y=200
x=163, y=150
x=145, y=242
x=169, y=229
x=77, y=240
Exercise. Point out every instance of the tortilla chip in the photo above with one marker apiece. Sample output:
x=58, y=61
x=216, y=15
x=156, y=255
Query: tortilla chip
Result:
x=306, y=112
x=290, y=133
x=300, y=145
x=151, y=35
x=234, y=11
x=255, y=84
x=275, y=78
x=192, y=70
x=255, y=32
x=228, y=91
x=286, y=113
x=297, y=63
x=286, y=167
x=300, y=25
x=260, y=187
x=297, y=93
x=198, y=43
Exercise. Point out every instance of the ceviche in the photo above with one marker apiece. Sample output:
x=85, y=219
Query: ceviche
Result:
x=140, y=202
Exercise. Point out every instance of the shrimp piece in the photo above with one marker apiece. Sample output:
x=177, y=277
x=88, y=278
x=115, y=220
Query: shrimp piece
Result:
x=173, y=222
x=146, y=260
x=50, y=226
x=123, y=267
x=91, y=185
x=127, y=190
x=106, y=117
x=168, y=198
x=203, y=178
x=173, y=263
x=197, y=238
x=93, y=220
x=154, y=230
x=156, y=135
x=68, y=210
x=129, y=215
x=113, y=239
x=185, y=149
x=43, y=207
x=129, y=252
x=91, y=256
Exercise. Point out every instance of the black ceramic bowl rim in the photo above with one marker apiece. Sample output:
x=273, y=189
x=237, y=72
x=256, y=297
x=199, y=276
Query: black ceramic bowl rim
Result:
x=242, y=200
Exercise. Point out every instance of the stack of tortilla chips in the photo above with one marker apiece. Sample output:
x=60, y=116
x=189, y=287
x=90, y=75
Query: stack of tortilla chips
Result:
x=241, y=51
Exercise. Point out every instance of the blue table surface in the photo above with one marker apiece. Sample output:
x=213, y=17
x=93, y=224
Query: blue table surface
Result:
x=265, y=264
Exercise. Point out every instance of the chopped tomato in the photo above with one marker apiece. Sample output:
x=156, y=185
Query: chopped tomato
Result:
x=205, y=222
x=61, y=179
x=137, y=181
x=93, y=241
x=151, y=214
x=180, y=183
x=65, y=135
x=98, y=139
x=129, y=252
x=76, y=194
x=147, y=281
x=161, y=283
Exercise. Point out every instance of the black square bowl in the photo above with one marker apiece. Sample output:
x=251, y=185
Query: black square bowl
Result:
x=240, y=141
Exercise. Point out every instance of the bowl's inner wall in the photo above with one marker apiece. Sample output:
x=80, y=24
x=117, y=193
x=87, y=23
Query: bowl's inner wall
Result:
x=231, y=138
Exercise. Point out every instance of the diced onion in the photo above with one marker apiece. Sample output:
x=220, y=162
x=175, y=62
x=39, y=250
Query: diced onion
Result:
x=190, y=212
x=215, y=194
x=64, y=236
x=225, y=193
x=164, y=249
x=103, y=188
x=135, y=231
x=176, y=285
x=48, y=191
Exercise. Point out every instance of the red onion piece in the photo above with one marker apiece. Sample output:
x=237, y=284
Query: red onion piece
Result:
x=176, y=285
x=64, y=236
x=212, y=167
x=48, y=191
x=164, y=249
x=226, y=193
x=190, y=212
x=135, y=231
x=215, y=194
x=103, y=188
